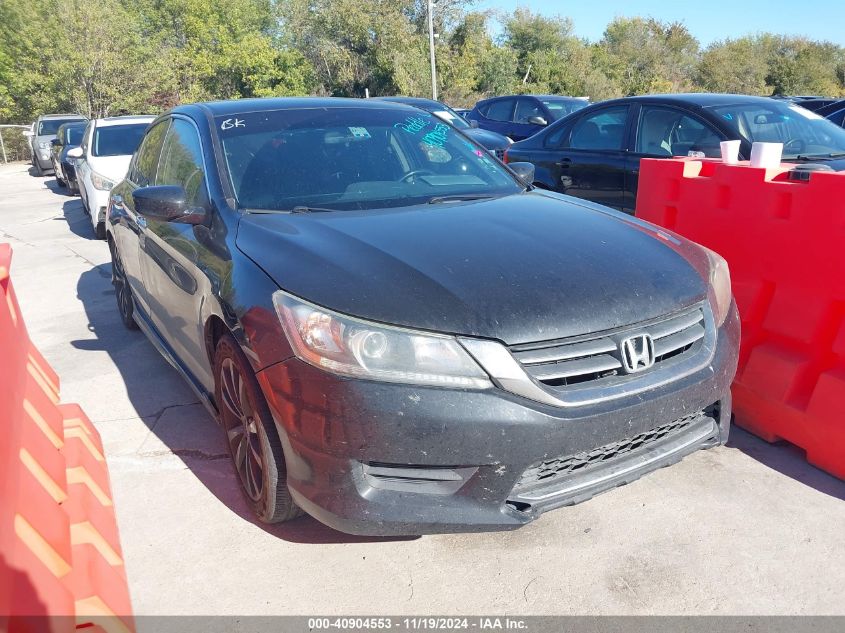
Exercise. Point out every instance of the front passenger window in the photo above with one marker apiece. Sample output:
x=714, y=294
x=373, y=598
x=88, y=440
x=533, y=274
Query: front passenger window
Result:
x=602, y=130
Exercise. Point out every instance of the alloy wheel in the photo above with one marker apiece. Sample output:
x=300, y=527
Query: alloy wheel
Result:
x=240, y=421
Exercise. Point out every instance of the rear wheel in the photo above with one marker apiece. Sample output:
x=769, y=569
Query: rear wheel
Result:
x=122, y=291
x=100, y=231
x=253, y=441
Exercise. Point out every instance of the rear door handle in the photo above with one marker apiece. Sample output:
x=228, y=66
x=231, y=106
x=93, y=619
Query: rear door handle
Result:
x=564, y=163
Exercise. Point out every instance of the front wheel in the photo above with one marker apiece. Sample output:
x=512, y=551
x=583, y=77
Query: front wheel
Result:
x=122, y=291
x=253, y=441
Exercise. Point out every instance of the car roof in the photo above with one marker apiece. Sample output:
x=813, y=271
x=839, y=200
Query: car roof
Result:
x=414, y=101
x=62, y=116
x=123, y=120
x=242, y=106
x=559, y=97
x=701, y=99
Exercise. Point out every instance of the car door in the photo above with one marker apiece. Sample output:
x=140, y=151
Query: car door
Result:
x=586, y=158
x=662, y=131
x=527, y=108
x=126, y=223
x=175, y=258
x=496, y=116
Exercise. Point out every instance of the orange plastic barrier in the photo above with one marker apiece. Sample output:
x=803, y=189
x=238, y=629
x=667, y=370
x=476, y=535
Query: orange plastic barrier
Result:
x=61, y=566
x=783, y=240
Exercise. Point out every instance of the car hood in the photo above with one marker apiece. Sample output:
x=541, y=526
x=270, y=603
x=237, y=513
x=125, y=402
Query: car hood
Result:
x=490, y=140
x=521, y=268
x=112, y=167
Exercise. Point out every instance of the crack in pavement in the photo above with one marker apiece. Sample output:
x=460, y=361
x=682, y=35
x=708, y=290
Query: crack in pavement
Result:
x=97, y=267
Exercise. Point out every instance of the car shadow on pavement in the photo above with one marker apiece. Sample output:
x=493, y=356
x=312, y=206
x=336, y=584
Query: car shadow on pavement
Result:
x=53, y=185
x=787, y=459
x=169, y=409
x=77, y=219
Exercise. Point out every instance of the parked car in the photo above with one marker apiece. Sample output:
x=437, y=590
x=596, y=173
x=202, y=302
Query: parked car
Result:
x=521, y=116
x=42, y=134
x=68, y=136
x=397, y=335
x=102, y=159
x=595, y=153
x=837, y=117
x=493, y=141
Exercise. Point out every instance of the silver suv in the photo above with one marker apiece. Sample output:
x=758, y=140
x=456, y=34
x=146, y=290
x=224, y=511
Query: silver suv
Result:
x=42, y=134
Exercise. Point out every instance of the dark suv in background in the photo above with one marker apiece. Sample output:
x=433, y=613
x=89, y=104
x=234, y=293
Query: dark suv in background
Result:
x=397, y=335
x=521, y=116
x=595, y=153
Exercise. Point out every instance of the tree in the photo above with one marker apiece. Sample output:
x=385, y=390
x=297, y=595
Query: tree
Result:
x=735, y=66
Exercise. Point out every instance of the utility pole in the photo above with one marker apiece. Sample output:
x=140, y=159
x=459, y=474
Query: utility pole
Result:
x=431, y=48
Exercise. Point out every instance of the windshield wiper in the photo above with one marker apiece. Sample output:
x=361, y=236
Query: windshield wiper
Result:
x=460, y=198
x=820, y=156
x=305, y=209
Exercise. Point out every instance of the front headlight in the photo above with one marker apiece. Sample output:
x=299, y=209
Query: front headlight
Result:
x=44, y=145
x=353, y=347
x=101, y=182
x=720, y=280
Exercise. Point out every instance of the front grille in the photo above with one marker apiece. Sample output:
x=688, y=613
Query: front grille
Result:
x=592, y=358
x=550, y=469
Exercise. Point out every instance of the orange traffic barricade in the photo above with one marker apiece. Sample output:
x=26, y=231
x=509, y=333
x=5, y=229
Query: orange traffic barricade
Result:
x=61, y=565
x=782, y=233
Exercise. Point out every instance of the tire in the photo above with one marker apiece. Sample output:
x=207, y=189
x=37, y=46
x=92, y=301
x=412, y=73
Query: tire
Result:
x=251, y=436
x=100, y=231
x=122, y=290
x=38, y=171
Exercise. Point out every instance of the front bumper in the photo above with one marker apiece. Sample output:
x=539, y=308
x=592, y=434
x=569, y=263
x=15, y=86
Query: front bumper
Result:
x=44, y=160
x=98, y=201
x=383, y=459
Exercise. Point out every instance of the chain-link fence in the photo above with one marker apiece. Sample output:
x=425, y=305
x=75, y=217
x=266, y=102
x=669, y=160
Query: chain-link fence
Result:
x=14, y=146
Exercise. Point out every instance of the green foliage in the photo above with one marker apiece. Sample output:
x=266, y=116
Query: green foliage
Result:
x=103, y=57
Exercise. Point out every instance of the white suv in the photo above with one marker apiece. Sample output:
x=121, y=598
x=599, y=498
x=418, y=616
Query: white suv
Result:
x=102, y=160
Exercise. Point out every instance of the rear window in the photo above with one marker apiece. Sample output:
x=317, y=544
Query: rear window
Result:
x=559, y=108
x=118, y=140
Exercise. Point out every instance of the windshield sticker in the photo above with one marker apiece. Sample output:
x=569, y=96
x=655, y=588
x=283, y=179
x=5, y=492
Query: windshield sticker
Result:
x=807, y=114
x=359, y=132
x=228, y=124
x=446, y=116
x=414, y=124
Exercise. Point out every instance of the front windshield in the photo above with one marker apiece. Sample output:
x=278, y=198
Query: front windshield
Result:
x=118, y=140
x=803, y=133
x=559, y=108
x=49, y=127
x=73, y=135
x=353, y=158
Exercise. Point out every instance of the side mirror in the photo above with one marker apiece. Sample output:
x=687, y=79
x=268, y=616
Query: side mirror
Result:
x=472, y=123
x=537, y=120
x=524, y=171
x=55, y=142
x=168, y=203
x=76, y=152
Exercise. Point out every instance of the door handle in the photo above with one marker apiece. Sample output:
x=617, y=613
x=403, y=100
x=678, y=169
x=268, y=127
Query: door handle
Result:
x=564, y=163
x=142, y=221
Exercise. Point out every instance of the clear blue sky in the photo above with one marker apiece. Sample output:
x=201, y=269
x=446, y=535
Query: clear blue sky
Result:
x=708, y=20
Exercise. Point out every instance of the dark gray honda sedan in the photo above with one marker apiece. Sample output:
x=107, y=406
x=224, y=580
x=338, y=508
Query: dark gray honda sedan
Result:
x=399, y=336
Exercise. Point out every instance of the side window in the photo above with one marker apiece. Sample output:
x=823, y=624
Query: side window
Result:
x=527, y=108
x=500, y=110
x=601, y=130
x=143, y=172
x=557, y=136
x=181, y=162
x=669, y=132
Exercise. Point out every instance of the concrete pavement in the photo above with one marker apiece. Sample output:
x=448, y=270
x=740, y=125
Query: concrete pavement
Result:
x=744, y=529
